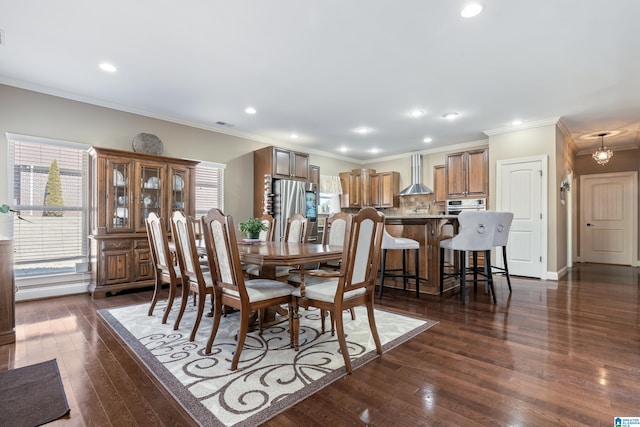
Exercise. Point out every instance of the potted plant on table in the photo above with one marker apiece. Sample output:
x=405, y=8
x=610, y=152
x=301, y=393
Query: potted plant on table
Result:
x=252, y=228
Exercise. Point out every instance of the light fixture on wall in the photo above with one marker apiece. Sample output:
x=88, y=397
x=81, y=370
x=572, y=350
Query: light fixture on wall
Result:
x=602, y=154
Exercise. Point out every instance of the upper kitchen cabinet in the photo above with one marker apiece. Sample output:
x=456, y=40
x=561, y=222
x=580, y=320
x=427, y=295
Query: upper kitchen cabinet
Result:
x=282, y=164
x=384, y=189
x=125, y=187
x=467, y=174
x=439, y=178
x=314, y=176
x=351, y=182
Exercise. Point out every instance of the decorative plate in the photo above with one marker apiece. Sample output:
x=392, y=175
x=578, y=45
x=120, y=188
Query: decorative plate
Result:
x=147, y=143
x=178, y=183
x=118, y=178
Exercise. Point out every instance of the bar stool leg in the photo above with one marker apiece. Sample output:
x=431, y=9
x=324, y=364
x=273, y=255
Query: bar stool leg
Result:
x=441, y=271
x=384, y=264
x=463, y=266
x=506, y=267
x=417, y=273
x=487, y=271
x=404, y=270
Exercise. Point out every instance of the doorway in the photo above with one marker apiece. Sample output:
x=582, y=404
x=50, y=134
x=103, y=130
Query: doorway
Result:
x=609, y=218
x=521, y=188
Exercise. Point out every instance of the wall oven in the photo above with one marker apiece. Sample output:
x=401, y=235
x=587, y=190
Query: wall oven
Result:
x=454, y=207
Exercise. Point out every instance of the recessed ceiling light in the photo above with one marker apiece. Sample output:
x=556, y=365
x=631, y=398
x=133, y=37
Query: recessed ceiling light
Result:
x=343, y=149
x=293, y=136
x=374, y=150
x=471, y=10
x=362, y=130
x=250, y=110
x=516, y=122
x=416, y=113
x=105, y=66
x=450, y=116
x=427, y=140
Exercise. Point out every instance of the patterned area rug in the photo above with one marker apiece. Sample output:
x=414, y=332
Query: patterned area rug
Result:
x=271, y=376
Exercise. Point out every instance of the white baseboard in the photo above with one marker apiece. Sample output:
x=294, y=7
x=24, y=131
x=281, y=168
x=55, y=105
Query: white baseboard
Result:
x=40, y=292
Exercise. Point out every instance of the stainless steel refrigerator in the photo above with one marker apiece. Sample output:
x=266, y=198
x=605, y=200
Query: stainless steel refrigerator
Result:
x=290, y=198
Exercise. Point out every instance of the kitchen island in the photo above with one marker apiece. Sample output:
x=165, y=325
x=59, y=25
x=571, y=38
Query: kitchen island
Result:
x=428, y=230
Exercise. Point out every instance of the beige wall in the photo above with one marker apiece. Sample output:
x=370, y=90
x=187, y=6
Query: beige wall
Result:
x=35, y=114
x=622, y=161
x=539, y=141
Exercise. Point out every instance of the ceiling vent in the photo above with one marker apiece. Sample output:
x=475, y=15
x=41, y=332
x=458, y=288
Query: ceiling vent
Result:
x=416, y=186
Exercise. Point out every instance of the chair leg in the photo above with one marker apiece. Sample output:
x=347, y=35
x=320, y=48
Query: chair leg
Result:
x=506, y=266
x=217, y=314
x=342, y=341
x=372, y=326
x=417, y=254
x=242, y=335
x=156, y=295
x=353, y=313
x=183, y=305
x=201, y=301
x=173, y=287
x=384, y=264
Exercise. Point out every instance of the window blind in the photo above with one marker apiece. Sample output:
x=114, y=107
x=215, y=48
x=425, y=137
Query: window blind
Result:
x=209, y=187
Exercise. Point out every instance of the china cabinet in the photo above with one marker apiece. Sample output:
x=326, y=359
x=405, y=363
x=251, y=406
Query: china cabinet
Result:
x=125, y=187
x=467, y=174
x=7, y=294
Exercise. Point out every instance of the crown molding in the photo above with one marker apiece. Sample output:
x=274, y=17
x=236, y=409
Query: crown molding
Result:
x=523, y=126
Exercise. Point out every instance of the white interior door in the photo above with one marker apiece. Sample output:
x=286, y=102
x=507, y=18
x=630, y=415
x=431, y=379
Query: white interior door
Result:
x=521, y=185
x=608, y=217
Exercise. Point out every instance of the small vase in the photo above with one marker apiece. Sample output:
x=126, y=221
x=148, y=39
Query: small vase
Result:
x=253, y=235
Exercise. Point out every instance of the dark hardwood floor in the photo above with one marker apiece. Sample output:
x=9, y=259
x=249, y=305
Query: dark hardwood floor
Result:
x=552, y=353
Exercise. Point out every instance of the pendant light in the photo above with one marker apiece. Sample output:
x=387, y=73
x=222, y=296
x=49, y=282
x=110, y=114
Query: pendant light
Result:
x=602, y=154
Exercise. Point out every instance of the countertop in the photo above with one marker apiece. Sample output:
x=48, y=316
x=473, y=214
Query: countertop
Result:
x=421, y=216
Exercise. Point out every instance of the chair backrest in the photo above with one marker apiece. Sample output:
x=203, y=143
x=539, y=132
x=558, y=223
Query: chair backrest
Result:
x=297, y=229
x=159, y=244
x=335, y=228
x=477, y=229
x=363, y=241
x=222, y=251
x=270, y=223
x=184, y=234
x=501, y=236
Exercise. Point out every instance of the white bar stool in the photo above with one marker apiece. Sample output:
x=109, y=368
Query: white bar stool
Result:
x=390, y=242
x=477, y=229
x=501, y=238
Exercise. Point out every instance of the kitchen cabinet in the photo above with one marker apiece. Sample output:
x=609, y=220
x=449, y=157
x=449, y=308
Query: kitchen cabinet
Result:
x=125, y=187
x=314, y=176
x=7, y=294
x=384, y=189
x=351, y=196
x=439, y=177
x=281, y=163
x=467, y=174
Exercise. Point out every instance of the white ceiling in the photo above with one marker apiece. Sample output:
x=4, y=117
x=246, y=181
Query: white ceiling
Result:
x=323, y=68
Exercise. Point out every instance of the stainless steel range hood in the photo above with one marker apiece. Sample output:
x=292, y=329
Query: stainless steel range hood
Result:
x=416, y=186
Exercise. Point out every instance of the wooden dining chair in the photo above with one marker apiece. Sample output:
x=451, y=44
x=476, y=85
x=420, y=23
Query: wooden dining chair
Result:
x=334, y=234
x=230, y=288
x=297, y=229
x=197, y=280
x=353, y=285
x=165, y=270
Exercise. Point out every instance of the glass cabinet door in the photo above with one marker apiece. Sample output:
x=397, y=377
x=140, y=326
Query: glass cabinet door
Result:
x=119, y=196
x=151, y=180
x=179, y=185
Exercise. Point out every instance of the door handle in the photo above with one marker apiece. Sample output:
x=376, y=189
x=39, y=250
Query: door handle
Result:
x=589, y=224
